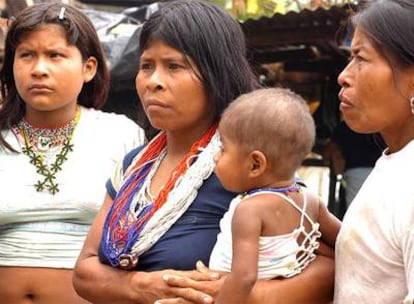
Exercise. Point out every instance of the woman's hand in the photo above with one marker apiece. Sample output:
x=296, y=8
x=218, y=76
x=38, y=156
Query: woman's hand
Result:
x=314, y=285
x=200, y=286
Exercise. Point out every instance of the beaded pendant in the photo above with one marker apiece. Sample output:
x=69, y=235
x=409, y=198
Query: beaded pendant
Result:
x=128, y=261
x=44, y=143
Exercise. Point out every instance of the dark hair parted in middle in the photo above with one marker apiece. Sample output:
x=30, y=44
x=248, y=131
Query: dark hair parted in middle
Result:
x=213, y=40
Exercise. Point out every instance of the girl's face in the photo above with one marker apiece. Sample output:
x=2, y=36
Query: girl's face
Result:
x=49, y=73
x=170, y=89
x=373, y=98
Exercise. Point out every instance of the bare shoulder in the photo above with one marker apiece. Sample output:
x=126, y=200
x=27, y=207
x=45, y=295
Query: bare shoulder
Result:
x=314, y=204
x=262, y=201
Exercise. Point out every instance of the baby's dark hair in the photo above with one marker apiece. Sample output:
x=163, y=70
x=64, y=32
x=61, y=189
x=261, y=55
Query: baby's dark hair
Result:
x=80, y=32
x=275, y=121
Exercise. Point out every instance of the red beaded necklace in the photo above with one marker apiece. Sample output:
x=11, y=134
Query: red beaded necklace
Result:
x=122, y=228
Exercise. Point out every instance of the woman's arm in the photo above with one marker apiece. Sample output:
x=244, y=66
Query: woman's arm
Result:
x=329, y=225
x=94, y=281
x=100, y=283
x=314, y=285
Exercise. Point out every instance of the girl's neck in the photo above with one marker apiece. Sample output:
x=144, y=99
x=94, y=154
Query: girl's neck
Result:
x=50, y=119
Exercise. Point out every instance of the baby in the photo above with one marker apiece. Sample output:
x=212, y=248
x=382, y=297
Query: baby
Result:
x=272, y=229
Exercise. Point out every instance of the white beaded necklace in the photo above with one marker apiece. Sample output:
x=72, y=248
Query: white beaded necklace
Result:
x=144, y=197
x=42, y=139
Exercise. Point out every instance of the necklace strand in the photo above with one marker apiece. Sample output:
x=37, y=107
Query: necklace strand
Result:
x=44, y=138
x=292, y=188
x=123, y=226
x=48, y=182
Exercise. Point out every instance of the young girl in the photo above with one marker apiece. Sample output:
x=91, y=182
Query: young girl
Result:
x=56, y=150
x=273, y=228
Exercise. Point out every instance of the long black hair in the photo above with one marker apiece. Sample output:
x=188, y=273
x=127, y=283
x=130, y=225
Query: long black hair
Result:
x=213, y=39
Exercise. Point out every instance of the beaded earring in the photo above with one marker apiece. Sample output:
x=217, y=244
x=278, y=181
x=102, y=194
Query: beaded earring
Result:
x=412, y=104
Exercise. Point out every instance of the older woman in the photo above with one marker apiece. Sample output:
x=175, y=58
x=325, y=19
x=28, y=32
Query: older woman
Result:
x=375, y=247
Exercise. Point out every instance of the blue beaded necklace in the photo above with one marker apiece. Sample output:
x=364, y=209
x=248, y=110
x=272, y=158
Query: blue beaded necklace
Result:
x=291, y=188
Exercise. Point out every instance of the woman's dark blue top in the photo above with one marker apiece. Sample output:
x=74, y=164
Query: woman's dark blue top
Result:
x=193, y=236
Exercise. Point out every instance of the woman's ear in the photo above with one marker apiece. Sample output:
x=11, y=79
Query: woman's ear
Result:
x=258, y=163
x=89, y=69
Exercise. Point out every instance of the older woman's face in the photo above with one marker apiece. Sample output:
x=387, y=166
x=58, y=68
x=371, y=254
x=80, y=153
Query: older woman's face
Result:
x=373, y=97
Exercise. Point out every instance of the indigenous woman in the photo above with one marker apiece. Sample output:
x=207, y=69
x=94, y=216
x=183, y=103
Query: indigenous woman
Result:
x=163, y=207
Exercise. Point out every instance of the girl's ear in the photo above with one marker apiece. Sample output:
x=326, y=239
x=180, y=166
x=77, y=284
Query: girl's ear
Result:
x=89, y=69
x=258, y=163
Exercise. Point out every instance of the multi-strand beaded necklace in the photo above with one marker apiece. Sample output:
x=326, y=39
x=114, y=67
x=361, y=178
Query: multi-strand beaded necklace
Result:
x=37, y=144
x=125, y=222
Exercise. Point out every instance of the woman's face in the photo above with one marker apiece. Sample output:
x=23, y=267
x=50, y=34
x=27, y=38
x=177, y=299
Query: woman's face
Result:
x=373, y=97
x=170, y=89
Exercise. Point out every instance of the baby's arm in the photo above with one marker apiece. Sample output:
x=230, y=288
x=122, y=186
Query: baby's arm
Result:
x=246, y=230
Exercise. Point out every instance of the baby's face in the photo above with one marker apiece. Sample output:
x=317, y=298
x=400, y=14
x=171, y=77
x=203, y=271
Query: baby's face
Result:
x=231, y=165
